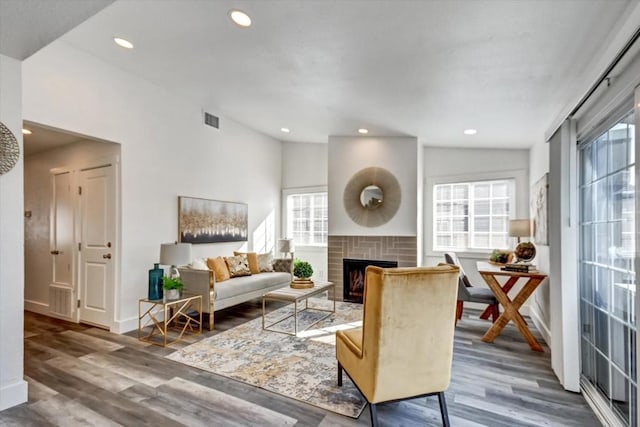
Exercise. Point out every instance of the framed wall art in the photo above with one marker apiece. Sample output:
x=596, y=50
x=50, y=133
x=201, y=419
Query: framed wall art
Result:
x=211, y=221
x=540, y=210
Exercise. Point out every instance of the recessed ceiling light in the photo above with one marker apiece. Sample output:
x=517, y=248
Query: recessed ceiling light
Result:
x=470, y=131
x=26, y=131
x=240, y=18
x=123, y=43
x=285, y=130
x=363, y=131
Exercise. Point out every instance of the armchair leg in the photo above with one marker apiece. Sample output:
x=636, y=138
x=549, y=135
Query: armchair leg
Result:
x=495, y=313
x=339, y=375
x=373, y=410
x=443, y=409
x=459, y=306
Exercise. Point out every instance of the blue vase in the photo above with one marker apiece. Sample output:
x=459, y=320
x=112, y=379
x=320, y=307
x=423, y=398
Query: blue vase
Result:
x=155, y=282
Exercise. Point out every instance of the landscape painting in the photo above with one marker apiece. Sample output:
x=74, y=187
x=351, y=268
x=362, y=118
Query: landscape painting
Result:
x=211, y=221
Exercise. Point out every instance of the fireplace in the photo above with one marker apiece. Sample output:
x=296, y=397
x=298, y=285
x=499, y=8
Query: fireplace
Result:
x=353, y=276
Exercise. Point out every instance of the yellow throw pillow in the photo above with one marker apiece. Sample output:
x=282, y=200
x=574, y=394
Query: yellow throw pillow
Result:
x=252, y=257
x=219, y=267
x=238, y=265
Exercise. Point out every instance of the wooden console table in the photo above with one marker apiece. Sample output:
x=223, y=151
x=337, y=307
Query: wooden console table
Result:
x=511, y=312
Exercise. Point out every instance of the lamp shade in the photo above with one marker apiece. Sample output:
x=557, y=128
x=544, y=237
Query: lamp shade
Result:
x=175, y=253
x=519, y=228
x=285, y=245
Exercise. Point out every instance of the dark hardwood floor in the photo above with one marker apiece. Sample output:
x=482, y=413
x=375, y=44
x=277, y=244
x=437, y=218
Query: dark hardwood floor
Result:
x=81, y=375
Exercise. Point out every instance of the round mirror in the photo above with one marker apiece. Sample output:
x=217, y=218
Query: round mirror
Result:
x=371, y=197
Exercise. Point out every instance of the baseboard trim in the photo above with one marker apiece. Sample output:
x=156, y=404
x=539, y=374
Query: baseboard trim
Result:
x=36, y=307
x=13, y=394
x=542, y=327
x=124, y=326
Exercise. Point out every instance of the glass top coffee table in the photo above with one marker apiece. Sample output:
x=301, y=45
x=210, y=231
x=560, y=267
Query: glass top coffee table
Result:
x=296, y=296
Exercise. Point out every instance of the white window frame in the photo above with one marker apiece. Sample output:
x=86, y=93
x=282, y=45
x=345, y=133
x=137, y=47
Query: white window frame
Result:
x=519, y=205
x=285, y=213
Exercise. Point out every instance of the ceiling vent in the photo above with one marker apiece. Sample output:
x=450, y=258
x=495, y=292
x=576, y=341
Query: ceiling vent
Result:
x=211, y=120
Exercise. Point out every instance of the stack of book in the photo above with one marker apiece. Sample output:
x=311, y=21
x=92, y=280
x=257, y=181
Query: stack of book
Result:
x=521, y=267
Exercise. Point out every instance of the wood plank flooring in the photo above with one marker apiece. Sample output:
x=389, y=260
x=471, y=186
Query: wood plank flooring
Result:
x=80, y=375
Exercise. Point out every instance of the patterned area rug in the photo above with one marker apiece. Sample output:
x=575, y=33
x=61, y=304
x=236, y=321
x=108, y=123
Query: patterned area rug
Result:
x=302, y=368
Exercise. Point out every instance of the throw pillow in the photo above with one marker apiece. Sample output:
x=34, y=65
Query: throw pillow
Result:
x=265, y=262
x=238, y=265
x=199, y=264
x=253, y=261
x=219, y=268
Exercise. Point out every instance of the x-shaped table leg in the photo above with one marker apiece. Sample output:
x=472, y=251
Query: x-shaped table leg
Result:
x=511, y=308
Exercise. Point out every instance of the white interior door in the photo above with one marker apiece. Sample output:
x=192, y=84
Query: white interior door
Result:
x=62, y=246
x=97, y=245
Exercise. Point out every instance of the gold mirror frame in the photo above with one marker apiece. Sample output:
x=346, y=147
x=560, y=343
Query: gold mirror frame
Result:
x=391, y=192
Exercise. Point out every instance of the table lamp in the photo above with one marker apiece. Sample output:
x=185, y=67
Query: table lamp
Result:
x=285, y=246
x=524, y=251
x=175, y=254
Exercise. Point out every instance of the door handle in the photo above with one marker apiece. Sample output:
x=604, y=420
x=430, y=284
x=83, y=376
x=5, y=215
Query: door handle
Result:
x=55, y=252
x=106, y=256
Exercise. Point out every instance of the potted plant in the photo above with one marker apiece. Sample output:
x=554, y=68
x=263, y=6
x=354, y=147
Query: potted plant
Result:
x=172, y=287
x=302, y=269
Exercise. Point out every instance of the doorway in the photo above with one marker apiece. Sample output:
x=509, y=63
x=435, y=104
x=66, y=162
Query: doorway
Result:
x=71, y=226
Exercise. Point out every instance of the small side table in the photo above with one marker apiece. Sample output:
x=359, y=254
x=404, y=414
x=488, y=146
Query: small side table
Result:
x=175, y=313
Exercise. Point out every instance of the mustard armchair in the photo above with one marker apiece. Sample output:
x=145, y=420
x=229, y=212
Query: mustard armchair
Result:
x=404, y=348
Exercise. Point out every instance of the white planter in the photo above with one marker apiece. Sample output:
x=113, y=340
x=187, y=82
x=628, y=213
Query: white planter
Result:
x=171, y=294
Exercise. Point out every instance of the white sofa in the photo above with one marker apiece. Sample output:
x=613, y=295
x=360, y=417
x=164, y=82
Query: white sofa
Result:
x=219, y=295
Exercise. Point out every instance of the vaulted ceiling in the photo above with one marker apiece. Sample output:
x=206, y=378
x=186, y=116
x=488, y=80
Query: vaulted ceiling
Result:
x=429, y=69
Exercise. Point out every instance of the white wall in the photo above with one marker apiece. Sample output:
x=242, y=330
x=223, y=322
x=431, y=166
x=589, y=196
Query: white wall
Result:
x=37, y=199
x=13, y=389
x=166, y=151
x=349, y=155
x=472, y=164
x=304, y=165
x=540, y=302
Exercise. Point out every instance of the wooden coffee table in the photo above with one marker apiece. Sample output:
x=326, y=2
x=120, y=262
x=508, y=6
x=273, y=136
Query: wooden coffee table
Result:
x=296, y=296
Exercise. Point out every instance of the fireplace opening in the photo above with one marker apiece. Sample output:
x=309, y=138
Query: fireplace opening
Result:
x=353, y=276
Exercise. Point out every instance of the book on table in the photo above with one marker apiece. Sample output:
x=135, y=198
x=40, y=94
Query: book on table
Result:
x=520, y=267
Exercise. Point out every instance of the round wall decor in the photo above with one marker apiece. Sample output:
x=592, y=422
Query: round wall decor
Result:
x=9, y=150
x=372, y=197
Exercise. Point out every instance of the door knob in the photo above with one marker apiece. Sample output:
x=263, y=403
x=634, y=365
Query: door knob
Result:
x=55, y=252
x=106, y=256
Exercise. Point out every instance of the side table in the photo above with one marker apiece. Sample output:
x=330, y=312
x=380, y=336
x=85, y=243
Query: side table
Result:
x=162, y=314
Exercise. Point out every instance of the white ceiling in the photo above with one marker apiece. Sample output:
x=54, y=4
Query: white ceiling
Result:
x=325, y=67
x=28, y=25
x=43, y=138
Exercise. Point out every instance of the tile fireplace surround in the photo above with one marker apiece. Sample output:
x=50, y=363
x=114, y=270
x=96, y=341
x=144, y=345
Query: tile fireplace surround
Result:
x=402, y=249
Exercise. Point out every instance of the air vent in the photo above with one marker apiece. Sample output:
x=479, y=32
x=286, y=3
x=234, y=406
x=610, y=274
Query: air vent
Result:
x=211, y=120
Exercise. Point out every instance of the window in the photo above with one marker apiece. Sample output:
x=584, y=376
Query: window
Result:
x=472, y=215
x=307, y=218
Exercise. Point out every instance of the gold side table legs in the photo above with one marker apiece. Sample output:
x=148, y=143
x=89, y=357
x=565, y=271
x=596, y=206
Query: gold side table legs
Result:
x=175, y=315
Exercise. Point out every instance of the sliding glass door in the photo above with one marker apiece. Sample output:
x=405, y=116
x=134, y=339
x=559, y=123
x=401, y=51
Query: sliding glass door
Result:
x=607, y=277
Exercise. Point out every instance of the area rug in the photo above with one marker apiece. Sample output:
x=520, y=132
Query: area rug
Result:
x=302, y=368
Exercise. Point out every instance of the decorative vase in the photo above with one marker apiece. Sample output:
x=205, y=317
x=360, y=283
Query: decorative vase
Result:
x=155, y=282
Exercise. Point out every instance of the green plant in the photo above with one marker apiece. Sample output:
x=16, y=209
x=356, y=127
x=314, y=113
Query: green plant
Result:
x=302, y=269
x=172, y=283
x=499, y=256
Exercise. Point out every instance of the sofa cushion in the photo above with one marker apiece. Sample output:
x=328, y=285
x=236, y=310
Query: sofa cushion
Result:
x=265, y=262
x=243, y=285
x=238, y=265
x=199, y=264
x=252, y=258
x=219, y=267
